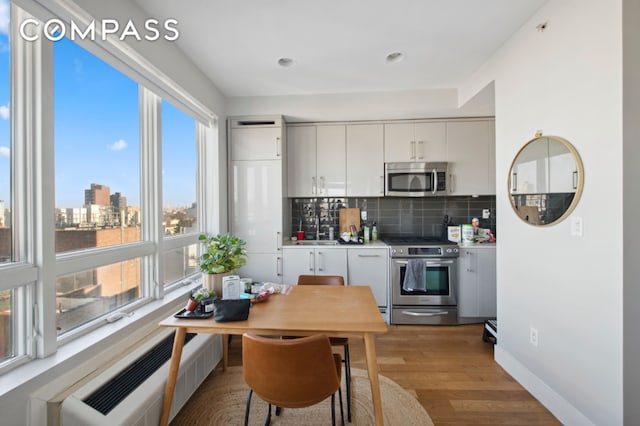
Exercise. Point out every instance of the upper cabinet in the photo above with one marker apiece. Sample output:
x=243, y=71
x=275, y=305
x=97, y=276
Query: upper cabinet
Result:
x=256, y=139
x=365, y=160
x=316, y=160
x=415, y=142
x=471, y=157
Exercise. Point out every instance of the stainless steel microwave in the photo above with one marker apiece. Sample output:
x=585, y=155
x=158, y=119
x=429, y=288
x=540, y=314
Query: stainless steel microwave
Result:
x=415, y=179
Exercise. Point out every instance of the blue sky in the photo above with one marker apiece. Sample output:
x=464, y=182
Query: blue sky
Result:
x=96, y=131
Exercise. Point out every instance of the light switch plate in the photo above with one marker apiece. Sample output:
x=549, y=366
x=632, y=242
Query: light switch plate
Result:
x=576, y=226
x=486, y=213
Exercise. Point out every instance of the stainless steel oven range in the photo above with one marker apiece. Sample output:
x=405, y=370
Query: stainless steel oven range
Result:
x=424, y=280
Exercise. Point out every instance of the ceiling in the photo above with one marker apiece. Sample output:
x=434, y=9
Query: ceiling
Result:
x=340, y=46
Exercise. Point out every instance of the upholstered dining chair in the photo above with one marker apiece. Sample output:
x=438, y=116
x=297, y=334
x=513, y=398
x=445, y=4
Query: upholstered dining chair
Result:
x=291, y=373
x=335, y=341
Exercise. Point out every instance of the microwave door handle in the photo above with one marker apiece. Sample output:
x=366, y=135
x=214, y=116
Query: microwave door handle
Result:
x=435, y=181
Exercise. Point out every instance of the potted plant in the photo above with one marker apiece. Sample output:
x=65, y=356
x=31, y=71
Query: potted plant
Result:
x=201, y=296
x=223, y=254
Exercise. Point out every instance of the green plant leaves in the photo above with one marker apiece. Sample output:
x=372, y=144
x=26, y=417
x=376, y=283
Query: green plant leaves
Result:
x=222, y=253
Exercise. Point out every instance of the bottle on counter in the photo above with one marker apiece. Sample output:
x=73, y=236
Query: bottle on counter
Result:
x=366, y=234
x=374, y=232
x=331, y=236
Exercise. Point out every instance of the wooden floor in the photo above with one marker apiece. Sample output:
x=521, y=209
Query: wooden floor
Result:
x=451, y=372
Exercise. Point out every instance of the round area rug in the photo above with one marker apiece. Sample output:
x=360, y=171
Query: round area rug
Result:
x=222, y=397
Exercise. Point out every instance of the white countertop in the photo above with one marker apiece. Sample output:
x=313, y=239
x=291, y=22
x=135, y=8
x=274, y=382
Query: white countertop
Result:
x=310, y=243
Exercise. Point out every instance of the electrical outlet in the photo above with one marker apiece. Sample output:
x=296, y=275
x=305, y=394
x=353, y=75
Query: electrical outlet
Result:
x=486, y=213
x=363, y=215
x=533, y=336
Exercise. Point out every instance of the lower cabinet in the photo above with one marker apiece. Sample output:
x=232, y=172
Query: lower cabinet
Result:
x=477, y=282
x=369, y=266
x=263, y=267
x=313, y=261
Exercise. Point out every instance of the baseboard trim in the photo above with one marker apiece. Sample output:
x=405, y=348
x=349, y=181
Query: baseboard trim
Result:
x=564, y=411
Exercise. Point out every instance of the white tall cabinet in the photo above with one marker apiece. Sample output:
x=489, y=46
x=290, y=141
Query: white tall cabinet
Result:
x=257, y=204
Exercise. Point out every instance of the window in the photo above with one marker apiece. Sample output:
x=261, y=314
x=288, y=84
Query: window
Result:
x=97, y=183
x=179, y=190
x=85, y=295
x=97, y=154
x=179, y=169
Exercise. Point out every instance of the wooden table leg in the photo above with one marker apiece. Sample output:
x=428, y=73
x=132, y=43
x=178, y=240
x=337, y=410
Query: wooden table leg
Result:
x=225, y=352
x=176, y=354
x=372, y=368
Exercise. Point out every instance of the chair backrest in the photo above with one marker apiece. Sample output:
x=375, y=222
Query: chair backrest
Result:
x=320, y=280
x=290, y=373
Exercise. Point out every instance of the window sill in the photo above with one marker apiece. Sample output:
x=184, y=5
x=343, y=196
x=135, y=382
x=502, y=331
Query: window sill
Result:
x=93, y=351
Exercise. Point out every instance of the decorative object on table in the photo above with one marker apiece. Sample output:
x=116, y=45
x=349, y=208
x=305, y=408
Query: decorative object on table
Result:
x=226, y=310
x=222, y=255
x=199, y=305
x=232, y=287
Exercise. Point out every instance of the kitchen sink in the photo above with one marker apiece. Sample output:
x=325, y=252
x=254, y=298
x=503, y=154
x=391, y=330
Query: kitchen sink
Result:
x=316, y=243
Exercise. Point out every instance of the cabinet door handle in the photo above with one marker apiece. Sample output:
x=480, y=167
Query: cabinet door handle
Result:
x=450, y=183
x=322, y=186
x=514, y=181
x=420, y=151
x=320, y=262
x=575, y=179
x=368, y=255
x=310, y=261
x=313, y=185
x=435, y=181
x=278, y=241
x=279, y=266
x=278, y=146
x=413, y=150
x=382, y=185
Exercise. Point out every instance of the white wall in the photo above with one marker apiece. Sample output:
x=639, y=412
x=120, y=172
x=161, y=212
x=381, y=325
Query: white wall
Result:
x=565, y=81
x=631, y=84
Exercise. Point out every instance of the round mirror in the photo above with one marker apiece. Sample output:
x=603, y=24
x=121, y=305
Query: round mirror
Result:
x=545, y=180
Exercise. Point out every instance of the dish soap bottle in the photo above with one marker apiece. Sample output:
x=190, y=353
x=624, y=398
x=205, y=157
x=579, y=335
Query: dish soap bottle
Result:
x=374, y=232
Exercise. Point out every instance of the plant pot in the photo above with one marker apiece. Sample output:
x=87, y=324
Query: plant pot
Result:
x=214, y=282
x=192, y=305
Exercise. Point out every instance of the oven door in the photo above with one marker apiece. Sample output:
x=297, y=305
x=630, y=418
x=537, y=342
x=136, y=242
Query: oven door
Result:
x=438, y=285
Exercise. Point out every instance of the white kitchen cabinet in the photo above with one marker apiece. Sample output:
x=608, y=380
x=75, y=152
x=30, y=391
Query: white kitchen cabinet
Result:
x=477, y=282
x=368, y=266
x=563, y=169
x=256, y=139
x=471, y=157
x=313, y=261
x=263, y=267
x=415, y=142
x=530, y=171
x=331, y=161
x=256, y=196
x=365, y=160
x=316, y=161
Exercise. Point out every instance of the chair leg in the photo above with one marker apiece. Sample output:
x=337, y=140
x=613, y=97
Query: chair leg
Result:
x=347, y=362
x=268, y=422
x=333, y=409
x=246, y=412
x=341, y=409
x=278, y=410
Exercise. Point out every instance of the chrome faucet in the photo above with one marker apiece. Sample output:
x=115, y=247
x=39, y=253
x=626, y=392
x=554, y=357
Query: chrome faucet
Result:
x=318, y=233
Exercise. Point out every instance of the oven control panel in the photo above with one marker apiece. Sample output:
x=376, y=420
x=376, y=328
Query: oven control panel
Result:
x=425, y=251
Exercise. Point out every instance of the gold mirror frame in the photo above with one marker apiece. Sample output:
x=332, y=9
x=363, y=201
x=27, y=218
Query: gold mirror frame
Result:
x=533, y=205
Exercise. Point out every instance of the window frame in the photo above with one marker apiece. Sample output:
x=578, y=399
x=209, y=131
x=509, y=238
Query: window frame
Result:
x=32, y=198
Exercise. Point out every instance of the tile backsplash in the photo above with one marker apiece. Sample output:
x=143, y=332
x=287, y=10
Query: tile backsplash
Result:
x=422, y=216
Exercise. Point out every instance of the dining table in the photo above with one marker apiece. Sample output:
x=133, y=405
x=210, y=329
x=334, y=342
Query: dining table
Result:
x=336, y=311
